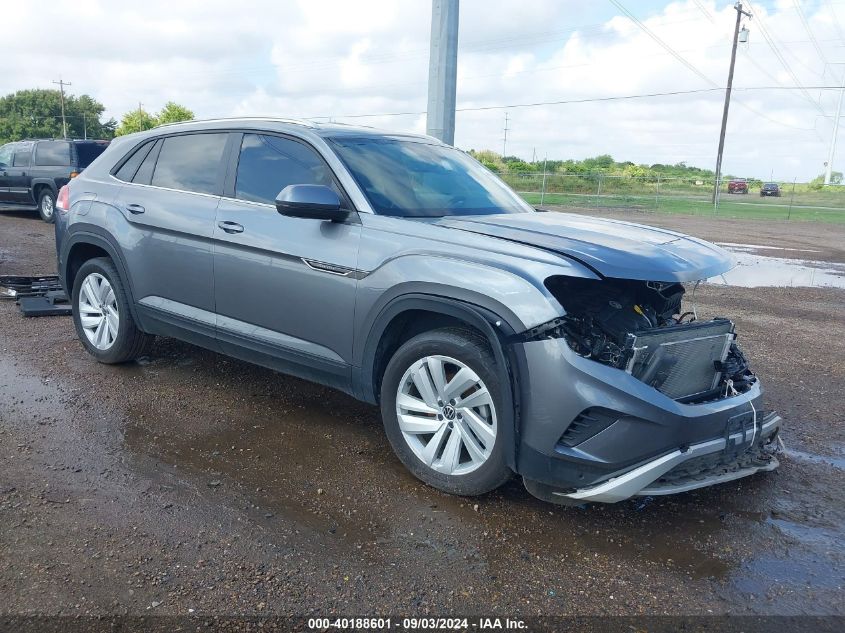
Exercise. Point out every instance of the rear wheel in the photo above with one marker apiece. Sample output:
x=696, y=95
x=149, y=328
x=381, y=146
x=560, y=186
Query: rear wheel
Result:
x=441, y=402
x=101, y=314
x=46, y=205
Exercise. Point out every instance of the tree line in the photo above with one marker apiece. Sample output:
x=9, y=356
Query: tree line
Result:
x=37, y=113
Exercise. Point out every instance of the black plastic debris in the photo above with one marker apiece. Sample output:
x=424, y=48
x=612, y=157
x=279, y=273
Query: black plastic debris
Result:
x=16, y=286
x=43, y=306
x=40, y=295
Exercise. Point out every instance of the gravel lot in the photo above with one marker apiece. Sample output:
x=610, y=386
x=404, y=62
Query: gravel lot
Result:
x=190, y=481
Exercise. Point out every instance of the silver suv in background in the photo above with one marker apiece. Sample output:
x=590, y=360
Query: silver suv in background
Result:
x=497, y=339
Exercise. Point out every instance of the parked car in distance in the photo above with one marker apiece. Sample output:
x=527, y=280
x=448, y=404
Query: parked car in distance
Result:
x=738, y=185
x=770, y=189
x=33, y=171
x=496, y=339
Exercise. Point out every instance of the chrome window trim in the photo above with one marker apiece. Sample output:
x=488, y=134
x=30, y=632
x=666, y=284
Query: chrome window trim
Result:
x=138, y=184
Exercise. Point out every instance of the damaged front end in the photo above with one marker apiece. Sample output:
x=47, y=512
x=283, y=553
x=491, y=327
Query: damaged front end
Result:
x=684, y=411
x=641, y=328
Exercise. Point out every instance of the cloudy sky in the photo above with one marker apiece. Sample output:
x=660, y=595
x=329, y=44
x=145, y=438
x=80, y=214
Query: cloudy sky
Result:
x=338, y=59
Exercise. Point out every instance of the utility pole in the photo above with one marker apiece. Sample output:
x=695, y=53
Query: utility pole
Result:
x=739, y=14
x=505, y=139
x=62, y=85
x=443, y=70
x=829, y=167
x=84, y=126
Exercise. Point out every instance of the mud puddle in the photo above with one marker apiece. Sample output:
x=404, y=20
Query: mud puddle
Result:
x=755, y=269
x=814, y=458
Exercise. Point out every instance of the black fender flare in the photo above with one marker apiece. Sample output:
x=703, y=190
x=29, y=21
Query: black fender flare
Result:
x=495, y=329
x=95, y=236
x=38, y=182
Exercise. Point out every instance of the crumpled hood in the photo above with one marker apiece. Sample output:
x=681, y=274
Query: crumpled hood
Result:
x=610, y=247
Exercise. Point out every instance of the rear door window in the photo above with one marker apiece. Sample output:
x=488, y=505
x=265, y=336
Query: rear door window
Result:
x=190, y=162
x=52, y=154
x=268, y=164
x=23, y=155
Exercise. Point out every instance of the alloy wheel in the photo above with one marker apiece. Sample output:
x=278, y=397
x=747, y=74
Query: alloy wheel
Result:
x=98, y=311
x=47, y=206
x=446, y=415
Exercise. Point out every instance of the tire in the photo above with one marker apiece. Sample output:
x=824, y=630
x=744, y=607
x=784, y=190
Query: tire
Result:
x=478, y=463
x=47, y=205
x=90, y=298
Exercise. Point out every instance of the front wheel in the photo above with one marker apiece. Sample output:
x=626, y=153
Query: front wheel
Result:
x=47, y=205
x=443, y=412
x=102, y=316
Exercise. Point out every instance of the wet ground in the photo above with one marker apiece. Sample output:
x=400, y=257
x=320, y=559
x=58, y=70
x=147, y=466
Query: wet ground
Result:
x=190, y=481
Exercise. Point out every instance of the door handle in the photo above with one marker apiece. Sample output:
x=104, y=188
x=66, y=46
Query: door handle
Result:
x=231, y=227
x=135, y=209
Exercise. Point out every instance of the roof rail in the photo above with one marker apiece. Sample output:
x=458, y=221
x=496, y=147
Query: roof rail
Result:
x=301, y=122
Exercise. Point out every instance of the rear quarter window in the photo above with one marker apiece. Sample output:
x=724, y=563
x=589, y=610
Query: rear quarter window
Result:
x=52, y=154
x=87, y=152
x=130, y=166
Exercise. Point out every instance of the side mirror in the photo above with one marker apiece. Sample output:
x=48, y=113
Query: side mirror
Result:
x=315, y=202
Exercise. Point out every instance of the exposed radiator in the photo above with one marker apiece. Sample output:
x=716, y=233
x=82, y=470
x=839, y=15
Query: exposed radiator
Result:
x=680, y=361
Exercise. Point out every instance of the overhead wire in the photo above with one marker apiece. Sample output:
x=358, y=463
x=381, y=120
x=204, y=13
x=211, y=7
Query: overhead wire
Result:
x=806, y=24
x=578, y=101
x=774, y=48
x=690, y=66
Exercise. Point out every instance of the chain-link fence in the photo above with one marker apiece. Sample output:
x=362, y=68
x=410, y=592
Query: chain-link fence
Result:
x=792, y=200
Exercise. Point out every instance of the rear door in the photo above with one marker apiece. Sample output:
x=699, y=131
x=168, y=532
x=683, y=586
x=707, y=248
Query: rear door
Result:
x=170, y=204
x=284, y=287
x=19, y=175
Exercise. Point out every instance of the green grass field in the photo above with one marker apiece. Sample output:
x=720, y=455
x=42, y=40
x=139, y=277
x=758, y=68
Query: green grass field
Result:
x=676, y=195
x=748, y=207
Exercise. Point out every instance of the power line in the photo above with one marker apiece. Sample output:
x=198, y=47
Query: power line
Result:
x=772, y=45
x=836, y=23
x=584, y=100
x=704, y=11
x=809, y=30
x=686, y=63
x=668, y=48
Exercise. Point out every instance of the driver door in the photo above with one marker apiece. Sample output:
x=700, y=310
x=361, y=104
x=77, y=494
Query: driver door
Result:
x=284, y=287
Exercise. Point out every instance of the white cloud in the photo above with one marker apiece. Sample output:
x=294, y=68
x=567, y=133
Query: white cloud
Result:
x=312, y=58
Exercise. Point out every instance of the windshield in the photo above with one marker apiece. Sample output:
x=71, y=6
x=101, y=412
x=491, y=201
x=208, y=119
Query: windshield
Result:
x=418, y=179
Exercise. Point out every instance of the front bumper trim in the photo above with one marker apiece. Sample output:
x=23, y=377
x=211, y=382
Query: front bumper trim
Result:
x=637, y=481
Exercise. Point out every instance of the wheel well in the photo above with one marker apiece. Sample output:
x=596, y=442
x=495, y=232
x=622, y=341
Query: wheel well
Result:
x=79, y=254
x=403, y=327
x=37, y=189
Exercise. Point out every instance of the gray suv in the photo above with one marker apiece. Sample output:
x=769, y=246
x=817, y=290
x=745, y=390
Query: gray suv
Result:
x=497, y=339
